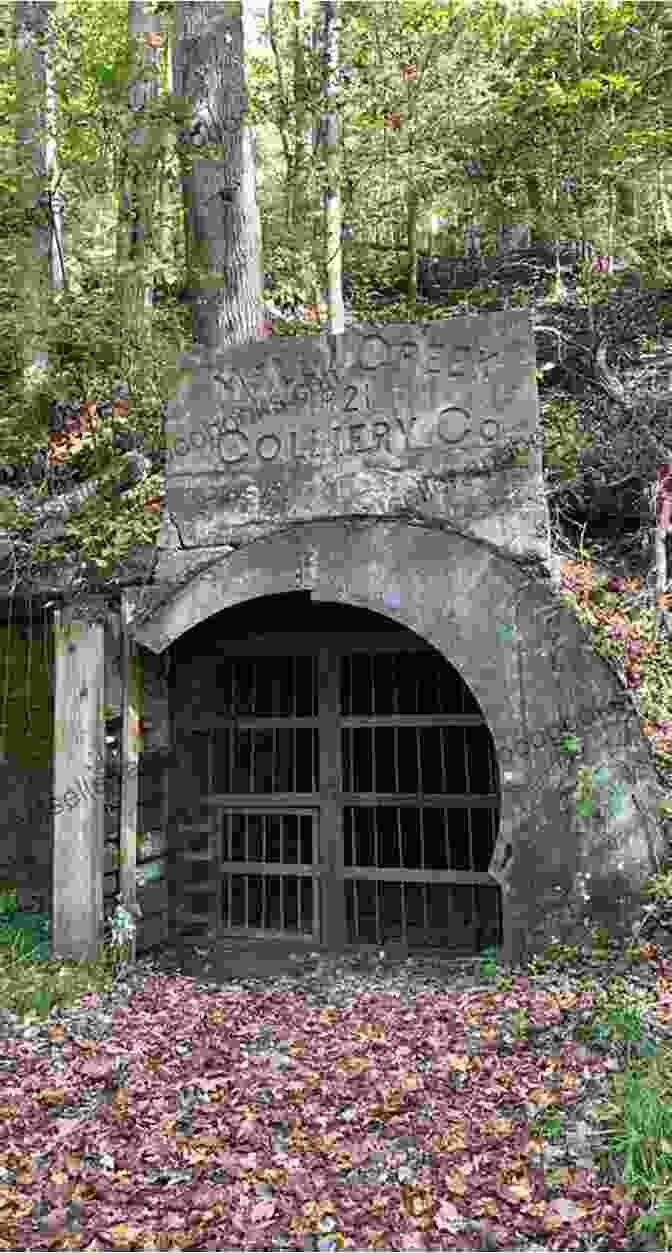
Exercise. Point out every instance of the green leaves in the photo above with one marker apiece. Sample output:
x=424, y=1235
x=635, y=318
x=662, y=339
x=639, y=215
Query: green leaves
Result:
x=104, y=73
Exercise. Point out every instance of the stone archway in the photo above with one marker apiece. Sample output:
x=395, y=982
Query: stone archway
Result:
x=532, y=672
x=337, y=783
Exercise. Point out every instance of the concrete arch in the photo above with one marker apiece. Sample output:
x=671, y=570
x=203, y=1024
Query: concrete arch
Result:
x=530, y=666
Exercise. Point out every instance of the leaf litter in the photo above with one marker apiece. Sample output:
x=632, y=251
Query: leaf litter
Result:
x=330, y=1107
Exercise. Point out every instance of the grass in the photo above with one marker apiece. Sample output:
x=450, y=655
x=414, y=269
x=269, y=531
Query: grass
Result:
x=30, y=987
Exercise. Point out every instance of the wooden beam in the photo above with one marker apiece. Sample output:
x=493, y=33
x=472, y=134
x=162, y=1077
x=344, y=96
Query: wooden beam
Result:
x=333, y=930
x=78, y=795
x=132, y=706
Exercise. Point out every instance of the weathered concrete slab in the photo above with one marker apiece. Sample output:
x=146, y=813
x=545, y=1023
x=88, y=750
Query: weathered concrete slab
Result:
x=529, y=665
x=378, y=419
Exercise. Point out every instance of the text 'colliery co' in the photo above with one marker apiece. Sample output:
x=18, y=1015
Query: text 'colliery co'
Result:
x=229, y=444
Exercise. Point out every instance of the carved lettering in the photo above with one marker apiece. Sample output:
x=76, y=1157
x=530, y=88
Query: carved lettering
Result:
x=434, y=367
x=409, y=351
x=454, y=424
x=381, y=434
x=233, y=446
x=350, y=393
x=262, y=447
x=355, y=437
x=229, y=453
x=456, y=368
x=489, y=429
x=370, y=363
x=289, y=398
x=373, y=353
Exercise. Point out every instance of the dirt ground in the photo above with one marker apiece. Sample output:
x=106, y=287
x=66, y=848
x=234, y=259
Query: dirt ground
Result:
x=226, y=960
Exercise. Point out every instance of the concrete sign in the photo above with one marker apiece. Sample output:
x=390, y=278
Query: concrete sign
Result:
x=298, y=427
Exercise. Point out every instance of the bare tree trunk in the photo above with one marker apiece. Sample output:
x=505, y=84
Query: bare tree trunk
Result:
x=39, y=262
x=169, y=231
x=299, y=147
x=332, y=198
x=412, y=244
x=663, y=617
x=218, y=172
x=472, y=241
x=662, y=497
x=511, y=236
x=304, y=129
x=165, y=207
x=137, y=186
x=290, y=157
x=39, y=267
x=664, y=198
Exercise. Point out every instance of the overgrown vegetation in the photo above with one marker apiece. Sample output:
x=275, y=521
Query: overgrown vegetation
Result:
x=30, y=986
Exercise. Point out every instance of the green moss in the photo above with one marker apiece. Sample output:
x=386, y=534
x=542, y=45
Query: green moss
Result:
x=24, y=698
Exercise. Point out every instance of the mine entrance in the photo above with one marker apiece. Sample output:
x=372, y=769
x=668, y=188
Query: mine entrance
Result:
x=334, y=785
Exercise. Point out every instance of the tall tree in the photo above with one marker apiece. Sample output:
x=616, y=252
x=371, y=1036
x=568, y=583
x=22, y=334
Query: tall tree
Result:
x=138, y=179
x=299, y=155
x=291, y=103
x=39, y=267
x=305, y=128
x=328, y=137
x=169, y=228
x=217, y=157
x=305, y=125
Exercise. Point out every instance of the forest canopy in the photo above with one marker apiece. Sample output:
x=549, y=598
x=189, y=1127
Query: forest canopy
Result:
x=353, y=147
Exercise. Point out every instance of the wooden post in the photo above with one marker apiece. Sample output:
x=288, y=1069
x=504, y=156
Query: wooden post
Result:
x=333, y=923
x=663, y=507
x=131, y=748
x=78, y=781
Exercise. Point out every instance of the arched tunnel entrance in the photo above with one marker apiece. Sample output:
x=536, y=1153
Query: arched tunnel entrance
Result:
x=335, y=782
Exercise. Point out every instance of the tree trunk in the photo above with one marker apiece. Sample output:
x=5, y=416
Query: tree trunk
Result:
x=218, y=172
x=169, y=236
x=305, y=131
x=332, y=199
x=39, y=268
x=289, y=155
x=664, y=198
x=412, y=244
x=304, y=126
x=662, y=503
x=512, y=236
x=472, y=241
x=136, y=190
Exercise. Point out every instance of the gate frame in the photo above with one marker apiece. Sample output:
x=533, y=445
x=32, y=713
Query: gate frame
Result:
x=329, y=801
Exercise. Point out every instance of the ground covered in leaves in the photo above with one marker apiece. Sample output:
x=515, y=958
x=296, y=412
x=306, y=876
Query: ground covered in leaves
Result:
x=404, y=1106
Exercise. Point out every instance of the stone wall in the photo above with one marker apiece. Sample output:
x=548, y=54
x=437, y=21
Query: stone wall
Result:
x=397, y=468
x=531, y=667
x=421, y=508
x=433, y=421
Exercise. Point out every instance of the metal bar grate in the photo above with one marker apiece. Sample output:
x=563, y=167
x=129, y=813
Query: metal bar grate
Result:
x=411, y=863
x=269, y=873
x=391, y=830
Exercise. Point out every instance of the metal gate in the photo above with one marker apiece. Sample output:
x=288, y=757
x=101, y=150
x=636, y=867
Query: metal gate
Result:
x=345, y=792
x=269, y=872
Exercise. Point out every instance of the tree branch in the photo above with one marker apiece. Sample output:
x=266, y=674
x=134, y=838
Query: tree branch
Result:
x=48, y=517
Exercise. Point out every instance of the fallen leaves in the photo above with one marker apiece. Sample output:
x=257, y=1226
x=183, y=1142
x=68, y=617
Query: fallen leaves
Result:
x=383, y=1127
